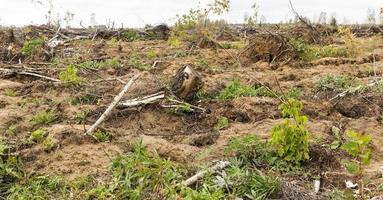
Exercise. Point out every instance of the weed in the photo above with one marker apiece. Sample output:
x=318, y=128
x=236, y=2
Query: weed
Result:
x=201, y=63
x=102, y=136
x=356, y=145
x=49, y=145
x=334, y=83
x=222, y=123
x=290, y=138
x=10, y=172
x=40, y=187
x=11, y=130
x=135, y=61
x=44, y=117
x=38, y=135
x=32, y=47
x=309, y=52
x=173, y=41
x=104, y=64
x=81, y=116
x=235, y=90
x=139, y=176
x=69, y=76
x=130, y=35
x=9, y=92
x=151, y=54
x=294, y=93
x=233, y=45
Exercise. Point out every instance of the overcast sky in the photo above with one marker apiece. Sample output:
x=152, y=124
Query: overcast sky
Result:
x=137, y=13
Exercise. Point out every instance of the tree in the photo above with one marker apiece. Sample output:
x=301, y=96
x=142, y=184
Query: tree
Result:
x=371, y=16
x=322, y=18
x=333, y=21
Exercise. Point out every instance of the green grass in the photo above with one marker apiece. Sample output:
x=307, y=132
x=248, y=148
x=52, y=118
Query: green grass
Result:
x=104, y=64
x=44, y=117
x=236, y=89
x=310, y=53
x=332, y=82
x=9, y=92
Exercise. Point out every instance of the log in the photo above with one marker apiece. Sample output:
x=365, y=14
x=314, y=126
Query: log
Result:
x=112, y=105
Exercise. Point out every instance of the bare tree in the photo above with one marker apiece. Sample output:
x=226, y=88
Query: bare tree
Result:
x=371, y=16
x=322, y=18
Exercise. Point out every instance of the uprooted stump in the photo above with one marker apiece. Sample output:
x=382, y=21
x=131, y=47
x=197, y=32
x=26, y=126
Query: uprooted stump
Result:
x=270, y=48
x=186, y=83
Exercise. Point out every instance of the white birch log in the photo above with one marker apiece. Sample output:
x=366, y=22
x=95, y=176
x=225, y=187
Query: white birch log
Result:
x=218, y=166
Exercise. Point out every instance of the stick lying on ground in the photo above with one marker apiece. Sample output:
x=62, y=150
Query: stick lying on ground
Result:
x=112, y=105
x=220, y=165
x=143, y=100
x=9, y=72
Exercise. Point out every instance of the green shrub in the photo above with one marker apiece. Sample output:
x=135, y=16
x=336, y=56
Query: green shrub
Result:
x=32, y=47
x=44, y=117
x=290, y=138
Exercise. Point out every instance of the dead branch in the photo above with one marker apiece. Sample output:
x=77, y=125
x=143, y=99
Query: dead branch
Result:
x=10, y=72
x=112, y=105
x=143, y=100
x=220, y=165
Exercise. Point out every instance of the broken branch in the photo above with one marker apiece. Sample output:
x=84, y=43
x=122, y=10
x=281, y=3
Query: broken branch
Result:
x=112, y=105
x=220, y=165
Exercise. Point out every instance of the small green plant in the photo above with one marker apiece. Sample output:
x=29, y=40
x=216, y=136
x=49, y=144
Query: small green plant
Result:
x=9, y=92
x=102, y=136
x=334, y=83
x=222, y=123
x=38, y=135
x=357, y=146
x=130, y=35
x=32, y=47
x=235, y=90
x=135, y=61
x=151, y=54
x=69, y=75
x=49, y=145
x=290, y=138
x=11, y=130
x=44, y=117
x=104, y=64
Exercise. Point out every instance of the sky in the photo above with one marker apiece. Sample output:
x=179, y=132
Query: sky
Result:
x=138, y=13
